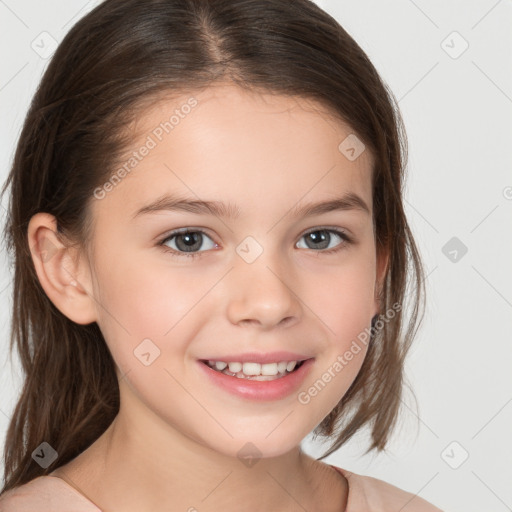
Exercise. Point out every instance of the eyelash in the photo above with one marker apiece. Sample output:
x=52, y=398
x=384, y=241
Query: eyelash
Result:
x=342, y=245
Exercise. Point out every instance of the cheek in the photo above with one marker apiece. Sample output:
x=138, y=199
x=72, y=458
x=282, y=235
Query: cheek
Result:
x=343, y=297
x=143, y=296
x=138, y=302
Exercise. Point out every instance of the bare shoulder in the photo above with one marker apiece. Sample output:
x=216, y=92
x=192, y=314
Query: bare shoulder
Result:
x=21, y=497
x=375, y=495
x=44, y=493
x=384, y=496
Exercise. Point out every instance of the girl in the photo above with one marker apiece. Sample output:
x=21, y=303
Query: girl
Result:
x=211, y=259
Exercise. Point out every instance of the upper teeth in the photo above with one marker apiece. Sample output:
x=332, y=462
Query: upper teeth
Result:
x=254, y=368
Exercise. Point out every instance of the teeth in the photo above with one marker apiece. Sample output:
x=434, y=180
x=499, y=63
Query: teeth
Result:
x=269, y=369
x=252, y=368
x=255, y=370
x=235, y=367
x=290, y=366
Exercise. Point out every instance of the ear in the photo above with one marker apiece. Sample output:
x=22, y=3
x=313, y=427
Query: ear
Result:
x=382, y=267
x=63, y=274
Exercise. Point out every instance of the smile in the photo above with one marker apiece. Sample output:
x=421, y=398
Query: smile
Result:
x=255, y=371
x=255, y=381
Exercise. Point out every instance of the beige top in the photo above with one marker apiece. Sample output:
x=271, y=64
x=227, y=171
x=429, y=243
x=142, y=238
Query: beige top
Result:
x=52, y=494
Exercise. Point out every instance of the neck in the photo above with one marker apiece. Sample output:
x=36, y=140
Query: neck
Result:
x=142, y=463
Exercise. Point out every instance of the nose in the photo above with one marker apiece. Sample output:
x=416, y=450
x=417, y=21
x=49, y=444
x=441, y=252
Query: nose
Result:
x=261, y=293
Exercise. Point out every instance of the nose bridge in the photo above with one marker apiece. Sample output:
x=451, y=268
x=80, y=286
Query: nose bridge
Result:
x=261, y=290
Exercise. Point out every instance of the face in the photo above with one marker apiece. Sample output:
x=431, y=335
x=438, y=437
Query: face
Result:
x=258, y=277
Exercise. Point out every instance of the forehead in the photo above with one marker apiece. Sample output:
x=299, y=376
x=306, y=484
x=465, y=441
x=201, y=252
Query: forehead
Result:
x=253, y=149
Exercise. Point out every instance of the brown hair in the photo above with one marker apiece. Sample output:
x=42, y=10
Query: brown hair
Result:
x=116, y=59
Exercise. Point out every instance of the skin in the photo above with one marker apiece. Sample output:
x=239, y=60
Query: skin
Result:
x=174, y=443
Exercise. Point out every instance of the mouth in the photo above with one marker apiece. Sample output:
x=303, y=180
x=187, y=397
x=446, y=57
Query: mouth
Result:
x=282, y=374
x=253, y=370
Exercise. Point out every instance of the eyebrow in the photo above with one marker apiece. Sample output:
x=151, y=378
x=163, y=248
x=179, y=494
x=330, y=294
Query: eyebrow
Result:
x=169, y=202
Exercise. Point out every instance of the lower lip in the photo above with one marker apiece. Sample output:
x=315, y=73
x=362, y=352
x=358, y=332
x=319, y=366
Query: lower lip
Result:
x=260, y=390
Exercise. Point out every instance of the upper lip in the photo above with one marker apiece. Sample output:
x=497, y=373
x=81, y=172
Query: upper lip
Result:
x=255, y=357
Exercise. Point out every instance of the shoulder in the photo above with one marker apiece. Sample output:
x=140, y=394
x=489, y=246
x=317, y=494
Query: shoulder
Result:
x=45, y=494
x=374, y=495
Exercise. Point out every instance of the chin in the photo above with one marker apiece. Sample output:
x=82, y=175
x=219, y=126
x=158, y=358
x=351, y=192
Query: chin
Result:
x=250, y=448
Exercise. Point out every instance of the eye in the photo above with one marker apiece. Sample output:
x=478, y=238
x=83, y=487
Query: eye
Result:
x=321, y=238
x=187, y=242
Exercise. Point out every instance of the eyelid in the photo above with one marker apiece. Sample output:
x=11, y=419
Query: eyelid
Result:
x=181, y=231
x=347, y=239
x=336, y=229
x=205, y=231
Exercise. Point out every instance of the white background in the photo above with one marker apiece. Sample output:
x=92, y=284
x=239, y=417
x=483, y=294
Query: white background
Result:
x=457, y=113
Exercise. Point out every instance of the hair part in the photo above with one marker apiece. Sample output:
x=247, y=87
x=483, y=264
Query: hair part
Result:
x=121, y=57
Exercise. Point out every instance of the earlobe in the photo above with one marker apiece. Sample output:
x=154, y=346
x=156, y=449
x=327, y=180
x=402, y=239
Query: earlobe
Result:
x=60, y=270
